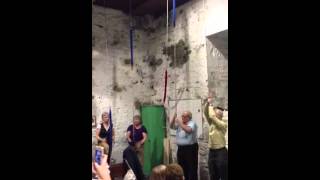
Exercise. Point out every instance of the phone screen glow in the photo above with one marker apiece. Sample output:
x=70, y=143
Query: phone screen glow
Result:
x=98, y=156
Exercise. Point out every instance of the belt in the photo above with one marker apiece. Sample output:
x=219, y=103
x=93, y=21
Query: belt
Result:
x=223, y=148
x=188, y=145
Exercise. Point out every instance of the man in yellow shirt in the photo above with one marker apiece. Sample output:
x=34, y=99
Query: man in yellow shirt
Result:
x=218, y=154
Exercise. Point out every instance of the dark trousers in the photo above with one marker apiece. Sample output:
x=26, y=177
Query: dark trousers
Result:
x=188, y=160
x=218, y=164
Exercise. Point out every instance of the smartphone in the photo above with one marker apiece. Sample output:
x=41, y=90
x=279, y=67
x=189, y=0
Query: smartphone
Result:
x=98, y=154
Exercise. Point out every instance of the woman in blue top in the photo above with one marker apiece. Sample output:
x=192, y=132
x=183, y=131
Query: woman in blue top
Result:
x=137, y=135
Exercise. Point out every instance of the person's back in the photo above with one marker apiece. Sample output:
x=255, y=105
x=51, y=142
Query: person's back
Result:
x=174, y=172
x=130, y=158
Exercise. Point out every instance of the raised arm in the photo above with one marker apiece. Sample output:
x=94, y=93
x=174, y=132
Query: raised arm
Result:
x=173, y=121
x=219, y=123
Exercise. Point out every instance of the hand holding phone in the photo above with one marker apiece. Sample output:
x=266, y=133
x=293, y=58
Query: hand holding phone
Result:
x=102, y=170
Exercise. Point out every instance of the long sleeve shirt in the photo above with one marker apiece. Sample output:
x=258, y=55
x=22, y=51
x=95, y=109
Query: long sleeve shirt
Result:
x=217, y=129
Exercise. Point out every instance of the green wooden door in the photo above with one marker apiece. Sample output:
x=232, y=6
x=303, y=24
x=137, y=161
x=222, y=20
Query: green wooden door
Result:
x=153, y=118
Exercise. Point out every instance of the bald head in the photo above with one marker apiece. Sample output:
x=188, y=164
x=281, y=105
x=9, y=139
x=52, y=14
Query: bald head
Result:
x=186, y=116
x=189, y=114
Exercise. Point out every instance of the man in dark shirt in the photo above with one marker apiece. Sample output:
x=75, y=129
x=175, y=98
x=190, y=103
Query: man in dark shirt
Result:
x=137, y=135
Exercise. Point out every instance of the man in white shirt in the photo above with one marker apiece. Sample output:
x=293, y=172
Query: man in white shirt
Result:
x=186, y=140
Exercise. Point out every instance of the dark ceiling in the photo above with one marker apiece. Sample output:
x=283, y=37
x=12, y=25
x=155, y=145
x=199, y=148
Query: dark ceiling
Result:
x=140, y=7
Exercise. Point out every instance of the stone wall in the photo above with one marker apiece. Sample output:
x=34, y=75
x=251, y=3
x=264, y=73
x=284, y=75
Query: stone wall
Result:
x=114, y=83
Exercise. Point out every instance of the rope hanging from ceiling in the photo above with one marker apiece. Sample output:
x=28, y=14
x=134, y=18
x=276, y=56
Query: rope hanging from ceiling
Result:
x=131, y=34
x=174, y=13
x=173, y=20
